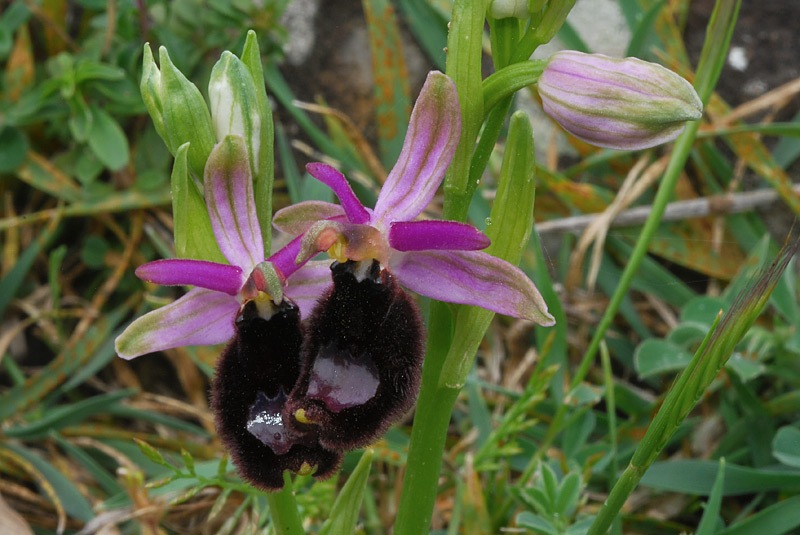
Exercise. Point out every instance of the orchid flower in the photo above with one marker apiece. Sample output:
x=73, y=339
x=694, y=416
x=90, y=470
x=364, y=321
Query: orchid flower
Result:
x=205, y=315
x=439, y=259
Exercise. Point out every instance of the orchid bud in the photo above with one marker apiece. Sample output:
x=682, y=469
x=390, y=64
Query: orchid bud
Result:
x=178, y=110
x=234, y=106
x=503, y=9
x=625, y=104
x=362, y=359
x=254, y=374
x=150, y=87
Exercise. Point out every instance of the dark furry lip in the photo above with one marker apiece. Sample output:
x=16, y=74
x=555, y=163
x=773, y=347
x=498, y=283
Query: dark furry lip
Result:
x=254, y=373
x=297, y=396
x=361, y=358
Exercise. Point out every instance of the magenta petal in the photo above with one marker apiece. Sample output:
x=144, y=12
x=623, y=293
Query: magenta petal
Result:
x=297, y=218
x=285, y=258
x=201, y=317
x=331, y=177
x=209, y=275
x=231, y=203
x=429, y=146
x=307, y=285
x=472, y=278
x=436, y=235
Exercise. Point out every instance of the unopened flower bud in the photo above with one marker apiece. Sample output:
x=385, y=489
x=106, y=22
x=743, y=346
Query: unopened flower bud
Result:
x=503, y=9
x=150, y=87
x=625, y=104
x=178, y=110
x=234, y=105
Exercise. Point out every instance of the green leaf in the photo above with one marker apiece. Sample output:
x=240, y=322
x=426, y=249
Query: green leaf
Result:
x=188, y=460
x=99, y=473
x=550, y=483
x=94, y=251
x=93, y=70
x=429, y=26
x=786, y=446
x=69, y=361
x=62, y=416
x=643, y=37
x=746, y=369
x=783, y=517
x=709, y=522
x=344, y=513
x=569, y=492
x=702, y=310
x=11, y=283
x=688, y=334
x=107, y=140
x=536, y=523
x=68, y=494
x=479, y=414
x=696, y=477
x=13, y=148
x=151, y=453
x=653, y=357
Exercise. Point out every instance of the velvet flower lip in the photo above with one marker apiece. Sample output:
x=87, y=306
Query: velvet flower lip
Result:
x=439, y=259
x=205, y=315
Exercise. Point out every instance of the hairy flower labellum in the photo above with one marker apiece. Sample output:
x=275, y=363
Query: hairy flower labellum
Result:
x=254, y=374
x=362, y=358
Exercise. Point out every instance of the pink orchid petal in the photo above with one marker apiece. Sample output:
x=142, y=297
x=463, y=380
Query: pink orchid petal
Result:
x=231, y=203
x=209, y=275
x=436, y=235
x=309, y=284
x=201, y=317
x=331, y=177
x=472, y=278
x=297, y=218
x=429, y=146
x=285, y=258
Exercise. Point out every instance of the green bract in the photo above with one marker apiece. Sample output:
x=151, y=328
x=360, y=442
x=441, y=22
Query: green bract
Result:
x=177, y=108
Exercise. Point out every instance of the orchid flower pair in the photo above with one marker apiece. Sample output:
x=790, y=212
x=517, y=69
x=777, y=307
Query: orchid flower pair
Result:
x=204, y=316
x=439, y=259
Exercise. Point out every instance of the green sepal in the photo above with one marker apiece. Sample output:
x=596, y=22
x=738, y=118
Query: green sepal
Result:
x=510, y=230
x=264, y=174
x=185, y=115
x=194, y=237
x=344, y=514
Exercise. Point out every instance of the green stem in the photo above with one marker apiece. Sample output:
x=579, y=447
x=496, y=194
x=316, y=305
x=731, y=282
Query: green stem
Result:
x=283, y=508
x=508, y=80
x=429, y=432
